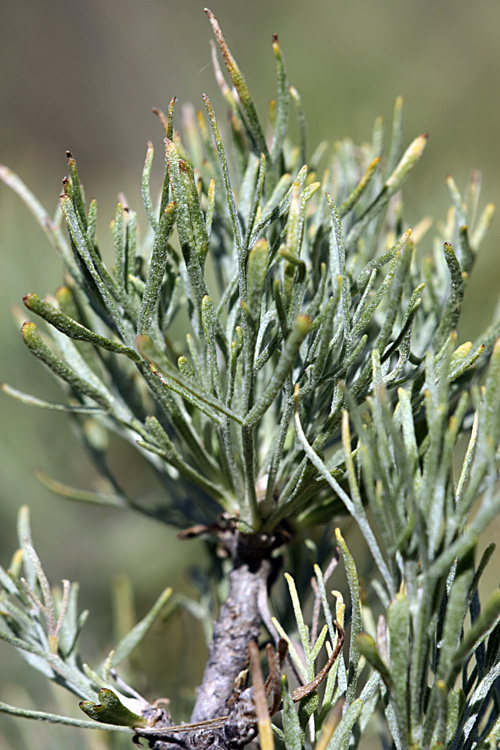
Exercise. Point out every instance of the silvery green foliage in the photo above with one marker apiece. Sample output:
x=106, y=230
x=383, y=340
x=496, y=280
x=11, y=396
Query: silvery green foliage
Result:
x=316, y=373
x=43, y=623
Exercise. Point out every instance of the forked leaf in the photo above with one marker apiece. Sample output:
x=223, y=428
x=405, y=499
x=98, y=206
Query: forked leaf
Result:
x=254, y=126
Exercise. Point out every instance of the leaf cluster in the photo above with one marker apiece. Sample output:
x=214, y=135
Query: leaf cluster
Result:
x=289, y=276
x=44, y=625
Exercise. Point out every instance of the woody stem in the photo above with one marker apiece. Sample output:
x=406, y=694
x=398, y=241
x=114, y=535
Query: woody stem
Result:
x=238, y=623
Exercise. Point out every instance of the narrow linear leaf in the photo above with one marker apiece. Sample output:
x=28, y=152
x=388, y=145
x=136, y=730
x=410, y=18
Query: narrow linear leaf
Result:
x=241, y=87
x=52, y=231
x=367, y=648
x=30, y=400
x=353, y=581
x=181, y=385
x=283, y=99
x=231, y=203
x=398, y=624
x=57, y=719
x=156, y=269
x=358, y=191
x=408, y=161
x=83, y=496
x=343, y=731
x=146, y=194
x=72, y=328
x=76, y=189
x=298, y=333
x=292, y=730
x=39, y=348
x=130, y=641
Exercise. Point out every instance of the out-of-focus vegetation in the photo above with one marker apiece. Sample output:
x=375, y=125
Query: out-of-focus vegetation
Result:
x=348, y=59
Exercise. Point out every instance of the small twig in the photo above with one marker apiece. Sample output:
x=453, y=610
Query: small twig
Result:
x=217, y=723
x=282, y=651
x=273, y=681
x=302, y=692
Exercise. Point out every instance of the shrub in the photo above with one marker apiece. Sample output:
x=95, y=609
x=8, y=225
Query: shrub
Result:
x=318, y=375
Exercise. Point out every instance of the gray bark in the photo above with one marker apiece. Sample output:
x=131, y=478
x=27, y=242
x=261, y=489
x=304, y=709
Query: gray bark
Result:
x=238, y=623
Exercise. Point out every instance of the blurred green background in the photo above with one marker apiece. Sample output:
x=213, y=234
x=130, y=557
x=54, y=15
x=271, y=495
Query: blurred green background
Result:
x=84, y=76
